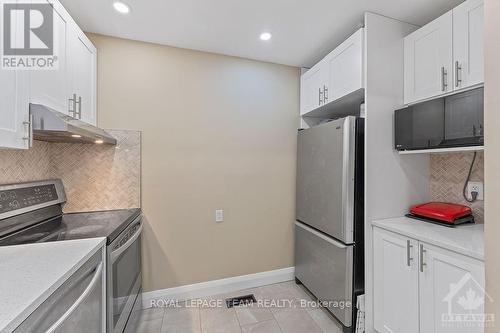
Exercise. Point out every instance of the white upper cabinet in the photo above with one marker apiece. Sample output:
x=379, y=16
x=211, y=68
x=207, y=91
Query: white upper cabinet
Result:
x=335, y=76
x=345, y=68
x=396, y=283
x=82, y=68
x=14, y=110
x=70, y=88
x=468, y=43
x=14, y=103
x=312, y=85
x=445, y=55
x=50, y=87
x=428, y=60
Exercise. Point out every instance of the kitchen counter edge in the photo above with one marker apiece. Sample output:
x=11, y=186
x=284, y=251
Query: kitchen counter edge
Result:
x=463, y=239
x=10, y=322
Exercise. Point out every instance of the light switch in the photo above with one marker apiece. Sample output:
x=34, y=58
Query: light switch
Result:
x=219, y=215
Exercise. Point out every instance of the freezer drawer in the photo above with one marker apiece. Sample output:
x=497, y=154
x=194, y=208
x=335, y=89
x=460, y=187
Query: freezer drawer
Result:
x=325, y=267
x=325, y=178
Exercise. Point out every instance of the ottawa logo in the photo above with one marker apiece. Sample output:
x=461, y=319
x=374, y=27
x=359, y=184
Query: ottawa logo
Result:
x=465, y=304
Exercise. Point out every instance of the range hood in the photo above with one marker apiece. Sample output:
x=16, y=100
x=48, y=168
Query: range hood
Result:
x=53, y=126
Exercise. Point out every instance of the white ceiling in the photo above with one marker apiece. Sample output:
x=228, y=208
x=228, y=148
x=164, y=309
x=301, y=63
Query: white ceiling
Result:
x=303, y=30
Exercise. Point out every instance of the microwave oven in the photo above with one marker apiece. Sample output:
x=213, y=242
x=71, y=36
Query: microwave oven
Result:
x=447, y=122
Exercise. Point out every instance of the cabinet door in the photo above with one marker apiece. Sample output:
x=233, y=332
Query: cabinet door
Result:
x=464, y=116
x=50, y=87
x=395, y=283
x=428, y=60
x=14, y=103
x=83, y=74
x=344, y=68
x=468, y=44
x=451, y=286
x=312, y=86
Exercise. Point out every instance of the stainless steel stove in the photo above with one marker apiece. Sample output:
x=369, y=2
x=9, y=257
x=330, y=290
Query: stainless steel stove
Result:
x=33, y=213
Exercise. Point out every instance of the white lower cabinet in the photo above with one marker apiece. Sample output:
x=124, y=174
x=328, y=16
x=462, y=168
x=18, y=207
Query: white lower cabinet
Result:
x=396, y=283
x=450, y=286
x=423, y=288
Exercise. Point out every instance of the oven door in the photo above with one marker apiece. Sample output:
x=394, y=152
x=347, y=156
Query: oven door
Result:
x=124, y=275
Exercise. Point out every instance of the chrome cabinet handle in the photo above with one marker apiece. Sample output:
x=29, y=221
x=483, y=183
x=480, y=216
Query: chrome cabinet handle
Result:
x=458, y=72
x=75, y=112
x=325, y=94
x=72, y=106
x=422, y=263
x=320, y=97
x=79, y=113
x=444, y=79
x=95, y=279
x=26, y=124
x=31, y=130
x=408, y=253
x=28, y=130
x=69, y=105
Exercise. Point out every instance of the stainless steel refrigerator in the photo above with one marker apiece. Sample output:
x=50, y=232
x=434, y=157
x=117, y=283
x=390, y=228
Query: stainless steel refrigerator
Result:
x=329, y=258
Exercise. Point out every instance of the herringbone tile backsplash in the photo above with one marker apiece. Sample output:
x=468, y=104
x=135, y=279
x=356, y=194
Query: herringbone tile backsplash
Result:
x=448, y=175
x=92, y=174
x=95, y=177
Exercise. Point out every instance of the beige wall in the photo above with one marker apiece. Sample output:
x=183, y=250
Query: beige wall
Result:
x=492, y=157
x=218, y=133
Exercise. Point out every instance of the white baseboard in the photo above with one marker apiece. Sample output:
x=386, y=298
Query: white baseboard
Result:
x=221, y=286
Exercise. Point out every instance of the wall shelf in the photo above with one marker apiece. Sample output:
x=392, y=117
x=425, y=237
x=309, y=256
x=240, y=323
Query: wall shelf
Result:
x=442, y=150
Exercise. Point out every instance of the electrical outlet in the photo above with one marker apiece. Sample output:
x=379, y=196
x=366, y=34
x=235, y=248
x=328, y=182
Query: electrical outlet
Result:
x=219, y=215
x=475, y=187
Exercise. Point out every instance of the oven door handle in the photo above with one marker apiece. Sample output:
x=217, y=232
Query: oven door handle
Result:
x=118, y=252
x=95, y=279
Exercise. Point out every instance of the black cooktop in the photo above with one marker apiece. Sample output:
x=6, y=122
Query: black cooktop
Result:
x=75, y=226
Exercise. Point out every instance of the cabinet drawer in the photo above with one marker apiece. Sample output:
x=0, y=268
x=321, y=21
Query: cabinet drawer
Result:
x=318, y=256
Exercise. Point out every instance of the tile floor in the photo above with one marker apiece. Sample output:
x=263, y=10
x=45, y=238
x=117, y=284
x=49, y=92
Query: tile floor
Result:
x=286, y=314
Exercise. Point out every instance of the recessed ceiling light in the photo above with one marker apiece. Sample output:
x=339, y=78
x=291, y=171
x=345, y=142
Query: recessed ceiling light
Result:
x=121, y=7
x=265, y=36
x=75, y=136
x=99, y=141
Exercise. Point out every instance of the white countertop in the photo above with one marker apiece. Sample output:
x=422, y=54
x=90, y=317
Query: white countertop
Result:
x=465, y=239
x=30, y=273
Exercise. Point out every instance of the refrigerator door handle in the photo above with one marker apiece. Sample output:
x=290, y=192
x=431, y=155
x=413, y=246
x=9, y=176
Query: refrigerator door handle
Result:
x=320, y=235
x=349, y=152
